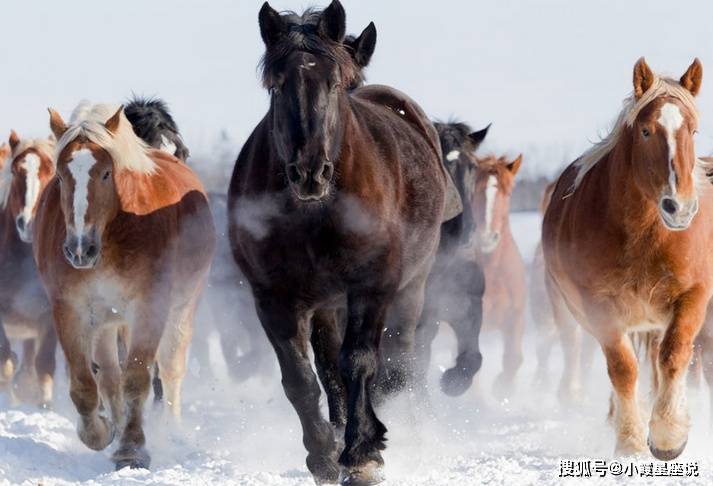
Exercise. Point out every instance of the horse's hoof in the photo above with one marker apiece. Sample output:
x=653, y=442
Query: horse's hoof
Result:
x=454, y=383
x=7, y=369
x=324, y=469
x=131, y=457
x=100, y=438
x=367, y=475
x=666, y=455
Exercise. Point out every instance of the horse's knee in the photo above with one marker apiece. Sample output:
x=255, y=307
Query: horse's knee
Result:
x=358, y=362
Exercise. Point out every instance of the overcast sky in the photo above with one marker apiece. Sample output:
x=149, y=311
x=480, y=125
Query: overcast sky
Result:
x=550, y=74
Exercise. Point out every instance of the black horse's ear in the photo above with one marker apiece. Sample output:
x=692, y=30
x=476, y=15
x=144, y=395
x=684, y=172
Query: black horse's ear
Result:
x=272, y=27
x=333, y=22
x=476, y=138
x=363, y=46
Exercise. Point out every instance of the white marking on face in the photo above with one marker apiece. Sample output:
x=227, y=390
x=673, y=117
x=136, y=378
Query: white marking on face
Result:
x=31, y=164
x=453, y=155
x=82, y=162
x=167, y=146
x=491, y=190
x=671, y=120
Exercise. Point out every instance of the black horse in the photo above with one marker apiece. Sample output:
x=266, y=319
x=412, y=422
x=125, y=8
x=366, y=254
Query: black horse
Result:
x=153, y=123
x=455, y=288
x=336, y=204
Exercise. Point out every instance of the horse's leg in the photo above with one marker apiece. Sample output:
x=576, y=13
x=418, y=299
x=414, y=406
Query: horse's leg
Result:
x=108, y=372
x=466, y=324
x=8, y=359
x=571, y=341
x=706, y=343
x=546, y=331
x=668, y=427
x=74, y=332
x=513, y=332
x=144, y=337
x=623, y=372
x=359, y=363
x=326, y=342
x=45, y=362
x=25, y=388
x=289, y=335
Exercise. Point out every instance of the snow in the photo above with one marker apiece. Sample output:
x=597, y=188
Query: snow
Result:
x=248, y=434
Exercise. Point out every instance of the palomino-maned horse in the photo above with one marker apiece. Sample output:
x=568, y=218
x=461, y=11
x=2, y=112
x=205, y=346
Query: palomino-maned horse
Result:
x=25, y=313
x=123, y=234
x=456, y=285
x=496, y=251
x=625, y=239
x=577, y=345
x=336, y=202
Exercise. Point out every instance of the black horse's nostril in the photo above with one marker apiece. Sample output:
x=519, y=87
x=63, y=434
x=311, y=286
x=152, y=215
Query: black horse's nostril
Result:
x=293, y=173
x=669, y=205
x=326, y=173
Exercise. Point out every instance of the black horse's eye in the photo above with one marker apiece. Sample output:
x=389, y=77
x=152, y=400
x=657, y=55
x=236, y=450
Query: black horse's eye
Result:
x=106, y=175
x=645, y=132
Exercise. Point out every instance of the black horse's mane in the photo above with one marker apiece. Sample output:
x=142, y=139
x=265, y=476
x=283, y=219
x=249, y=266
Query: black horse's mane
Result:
x=151, y=120
x=302, y=35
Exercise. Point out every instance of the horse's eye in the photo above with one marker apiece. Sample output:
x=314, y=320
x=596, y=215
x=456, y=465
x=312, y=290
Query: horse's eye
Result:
x=106, y=175
x=645, y=132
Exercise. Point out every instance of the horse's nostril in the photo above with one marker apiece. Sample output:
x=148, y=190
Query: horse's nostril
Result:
x=327, y=171
x=669, y=205
x=91, y=251
x=20, y=223
x=293, y=173
x=67, y=251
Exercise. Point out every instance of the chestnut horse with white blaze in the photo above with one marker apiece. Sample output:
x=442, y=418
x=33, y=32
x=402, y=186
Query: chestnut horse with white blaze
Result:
x=124, y=237
x=25, y=312
x=497, y=252
x=626, y=239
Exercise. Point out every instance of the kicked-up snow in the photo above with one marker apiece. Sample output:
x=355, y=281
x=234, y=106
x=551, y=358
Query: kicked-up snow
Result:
x=249, y=435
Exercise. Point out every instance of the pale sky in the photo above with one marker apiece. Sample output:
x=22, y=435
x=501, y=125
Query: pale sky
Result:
x=549, y=74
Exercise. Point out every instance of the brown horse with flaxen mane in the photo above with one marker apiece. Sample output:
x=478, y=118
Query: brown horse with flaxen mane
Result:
x=123, y=242
x=336, y=203
x=626, y=238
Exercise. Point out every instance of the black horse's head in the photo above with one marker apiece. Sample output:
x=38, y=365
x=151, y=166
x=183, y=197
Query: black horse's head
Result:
x=307, y=69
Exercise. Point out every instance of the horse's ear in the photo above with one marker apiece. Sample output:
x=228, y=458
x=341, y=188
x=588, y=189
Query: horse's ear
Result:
x=692, y=79
x=57, y=125
x=272, y=27
x=643, y=78
x=476, y=138
x=13, y=139
x=333, y=22
x=363, y=46
x=514, y=166
x=112, y=124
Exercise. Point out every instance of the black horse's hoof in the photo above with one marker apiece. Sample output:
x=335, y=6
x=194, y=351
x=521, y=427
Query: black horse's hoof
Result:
x=666, y=455
x=454, y=382
x=367, y=475
x=131, y=457
x=324, y=469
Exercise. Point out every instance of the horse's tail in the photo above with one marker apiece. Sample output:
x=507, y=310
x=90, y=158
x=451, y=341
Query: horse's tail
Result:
x=154, y=124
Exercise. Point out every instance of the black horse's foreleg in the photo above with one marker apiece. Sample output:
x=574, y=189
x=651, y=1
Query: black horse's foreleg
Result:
x=326, y=341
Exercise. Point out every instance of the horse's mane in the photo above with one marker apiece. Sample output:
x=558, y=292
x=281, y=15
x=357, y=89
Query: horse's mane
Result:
x=302, y=36
x=662, y=86
x=45, y=145
x=127, y=150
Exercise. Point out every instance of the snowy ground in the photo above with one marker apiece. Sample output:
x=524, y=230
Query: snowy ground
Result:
x=248, y=435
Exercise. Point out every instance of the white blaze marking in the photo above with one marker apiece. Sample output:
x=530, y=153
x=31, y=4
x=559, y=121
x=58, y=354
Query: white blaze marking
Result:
x=671, y=119
x=453, y=155
x=79, y=167
x=168, y=146
x=31, y=164
x=491, y=190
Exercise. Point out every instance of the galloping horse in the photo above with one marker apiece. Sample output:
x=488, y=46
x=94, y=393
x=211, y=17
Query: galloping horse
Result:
x=496, y=251
x=24, y=310
x=336, y=202
x=625, y=239
x=124, y=234
x=152, y=122
x=456, y=286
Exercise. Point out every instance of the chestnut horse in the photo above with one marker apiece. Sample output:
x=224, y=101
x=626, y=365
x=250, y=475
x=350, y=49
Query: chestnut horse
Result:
x=124, y=234
x=625, y=239
x=25, y=313
x=456, y=285
x=497, y=252
x=336, y=202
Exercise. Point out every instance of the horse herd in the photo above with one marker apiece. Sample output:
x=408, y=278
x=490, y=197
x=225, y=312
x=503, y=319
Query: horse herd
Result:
x=359, y=225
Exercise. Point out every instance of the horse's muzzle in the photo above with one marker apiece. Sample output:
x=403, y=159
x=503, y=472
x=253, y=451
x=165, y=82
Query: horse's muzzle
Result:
x=24, y=229
x=310, y=185
x=83, y=252
x=677, y=214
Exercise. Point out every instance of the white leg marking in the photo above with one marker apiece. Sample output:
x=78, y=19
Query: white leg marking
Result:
x=31, y=164
x=490, y=192
x=82, y=162
x=671, y=120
